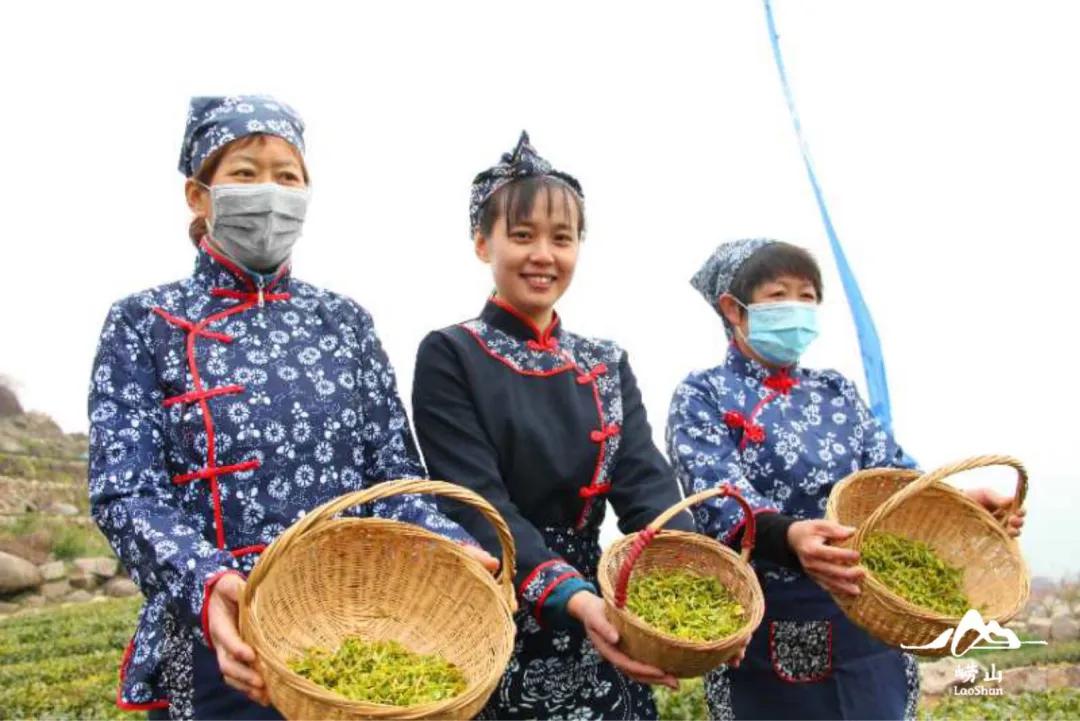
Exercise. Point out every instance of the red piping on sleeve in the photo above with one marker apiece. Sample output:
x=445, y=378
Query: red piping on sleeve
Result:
x=120, y=702
x=535, y=571
x=738, y=526
x=547, y=592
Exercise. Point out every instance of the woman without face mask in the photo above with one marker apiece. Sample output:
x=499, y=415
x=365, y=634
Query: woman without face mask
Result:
x=547, y=425
x=784, y=435
x=209, y=411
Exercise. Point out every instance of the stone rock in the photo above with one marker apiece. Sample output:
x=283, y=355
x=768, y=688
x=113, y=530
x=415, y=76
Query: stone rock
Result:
x=1060, y=608
x=9, y=402
x=55, y=589
x=938, y=677
x=1039, y=627
x=1028, y=678
x=1063, y=676
x=98, y=599
x=83, y=579
x=1018, y=627
x=17, y=574
x=63, y=509
x=121, y=588
x=34, y=601
x=100, y=566
x=52, y=571
x=6, y=607
x=1064, y=628
x=79, y=596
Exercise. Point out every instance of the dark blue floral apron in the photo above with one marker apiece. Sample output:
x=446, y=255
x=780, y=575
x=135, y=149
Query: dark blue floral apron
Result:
x=808, y=661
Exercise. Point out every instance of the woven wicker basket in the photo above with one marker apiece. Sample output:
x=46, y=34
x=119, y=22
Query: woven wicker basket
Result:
x=327, y=578
x=651, y=549
x=923, y=507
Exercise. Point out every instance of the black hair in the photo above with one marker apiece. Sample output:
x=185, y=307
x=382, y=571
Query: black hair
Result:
x=771, y=262
x=515, y=201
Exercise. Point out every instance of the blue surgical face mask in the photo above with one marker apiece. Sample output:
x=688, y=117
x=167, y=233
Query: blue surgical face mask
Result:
x=781, y=331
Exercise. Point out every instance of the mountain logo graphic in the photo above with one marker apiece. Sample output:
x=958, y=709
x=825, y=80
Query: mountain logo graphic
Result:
x=991, y=636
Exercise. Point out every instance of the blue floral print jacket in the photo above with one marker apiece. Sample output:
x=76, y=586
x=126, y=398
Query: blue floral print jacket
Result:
x=222, y=408
x=783, y=439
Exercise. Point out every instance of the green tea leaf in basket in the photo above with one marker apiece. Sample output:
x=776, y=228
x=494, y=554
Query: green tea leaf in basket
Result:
x=684, y=604
x=911, y=569
x=383, y=672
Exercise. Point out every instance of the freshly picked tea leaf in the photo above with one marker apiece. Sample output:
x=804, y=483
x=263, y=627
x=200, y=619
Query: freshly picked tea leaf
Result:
x=912, y=570
x=684, y=604
x=381, y=672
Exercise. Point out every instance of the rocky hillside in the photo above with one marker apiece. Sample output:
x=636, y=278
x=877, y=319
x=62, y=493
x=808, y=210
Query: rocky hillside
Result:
x=50, y=550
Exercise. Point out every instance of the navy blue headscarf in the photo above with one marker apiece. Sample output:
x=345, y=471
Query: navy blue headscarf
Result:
x=521, y=163
x=213, y=122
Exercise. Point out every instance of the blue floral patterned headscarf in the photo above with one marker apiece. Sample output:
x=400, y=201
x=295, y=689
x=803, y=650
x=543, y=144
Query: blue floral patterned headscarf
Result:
x=215, y=121
x=521, y=163
x=716, y=275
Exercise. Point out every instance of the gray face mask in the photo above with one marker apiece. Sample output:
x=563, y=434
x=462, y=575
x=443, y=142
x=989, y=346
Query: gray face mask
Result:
x=257, y=224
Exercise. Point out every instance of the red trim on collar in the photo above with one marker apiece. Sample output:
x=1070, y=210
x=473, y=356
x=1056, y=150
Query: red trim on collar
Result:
x=239, y=272
x=280, y=274
x=568, y=366
x=544, y=337
x=782, y=381
x=233, y=268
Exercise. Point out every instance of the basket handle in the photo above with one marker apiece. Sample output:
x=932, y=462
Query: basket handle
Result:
x=927, y=479
x=327, y=511
x=645, y=536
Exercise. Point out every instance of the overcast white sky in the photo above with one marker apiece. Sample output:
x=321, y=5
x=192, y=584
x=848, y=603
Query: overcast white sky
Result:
x=945, y=135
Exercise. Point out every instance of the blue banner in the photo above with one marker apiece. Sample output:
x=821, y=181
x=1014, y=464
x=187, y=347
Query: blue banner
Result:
x=869, y=343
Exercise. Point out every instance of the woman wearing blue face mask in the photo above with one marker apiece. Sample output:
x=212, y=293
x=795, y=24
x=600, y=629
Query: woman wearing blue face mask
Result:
x=226, y=405
x=783, y=435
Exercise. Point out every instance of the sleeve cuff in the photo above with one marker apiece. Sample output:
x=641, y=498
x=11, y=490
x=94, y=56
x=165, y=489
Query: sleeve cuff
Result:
x=772, y=543
x=553, y=609
x=542, y=582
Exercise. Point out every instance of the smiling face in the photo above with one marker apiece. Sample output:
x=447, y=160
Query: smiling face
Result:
x=531, y=241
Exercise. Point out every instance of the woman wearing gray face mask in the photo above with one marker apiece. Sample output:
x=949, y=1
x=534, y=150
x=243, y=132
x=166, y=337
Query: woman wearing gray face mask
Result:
x=225, y=406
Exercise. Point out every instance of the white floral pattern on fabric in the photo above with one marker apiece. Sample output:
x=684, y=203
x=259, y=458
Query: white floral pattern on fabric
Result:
x=175, y=520
x=801, y=651
x=595, y=361
x=522, y=162
x=714, y=277
x=213, y=122
x=814, y=435
x=560, y=675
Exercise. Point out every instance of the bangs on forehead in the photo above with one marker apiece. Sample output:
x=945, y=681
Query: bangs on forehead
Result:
x=213, y=161
x=772, y=263
x=517, y=201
